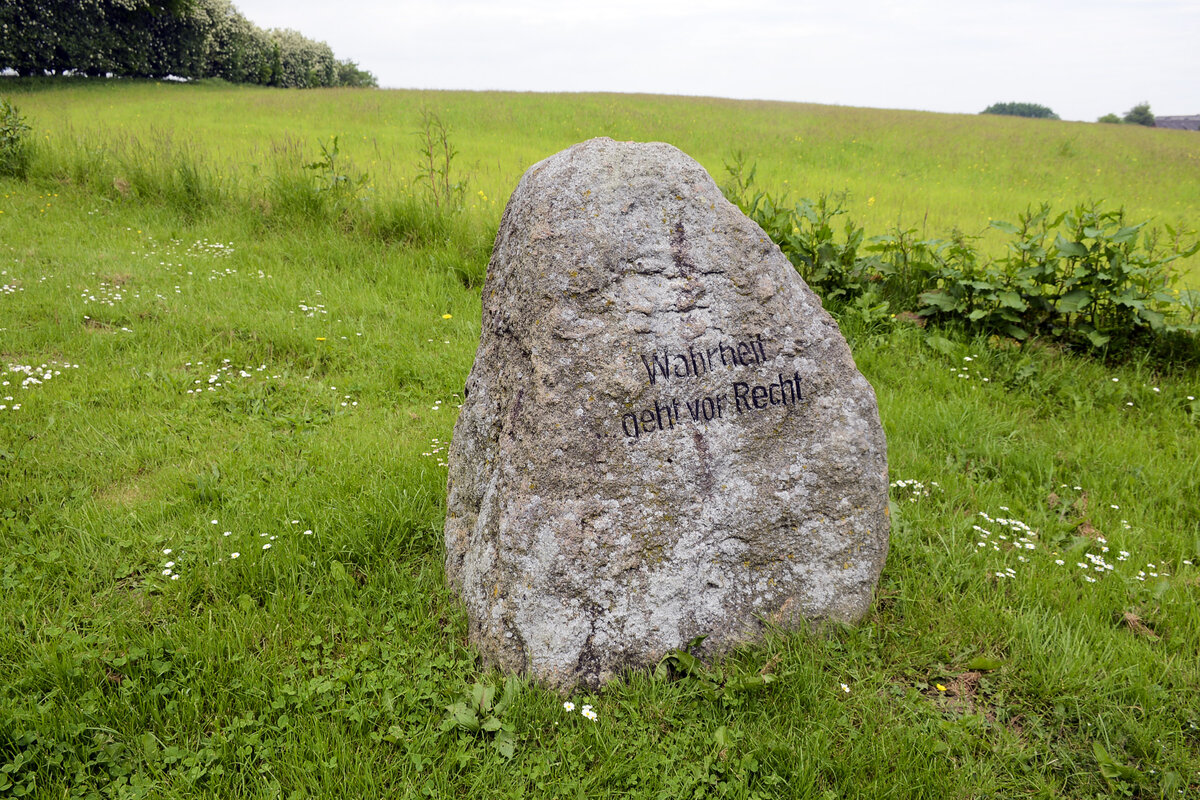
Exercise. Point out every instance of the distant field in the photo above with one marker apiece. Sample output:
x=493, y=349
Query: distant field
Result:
x=932, y=171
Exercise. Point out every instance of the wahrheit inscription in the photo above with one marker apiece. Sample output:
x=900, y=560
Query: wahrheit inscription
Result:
x=664, y=434
x=742, y=397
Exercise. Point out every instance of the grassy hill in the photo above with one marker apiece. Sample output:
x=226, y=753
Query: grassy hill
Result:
x=935, y=171
x=228, y=383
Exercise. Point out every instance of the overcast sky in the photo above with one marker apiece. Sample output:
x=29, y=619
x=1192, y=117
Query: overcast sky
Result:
x=1082, y=59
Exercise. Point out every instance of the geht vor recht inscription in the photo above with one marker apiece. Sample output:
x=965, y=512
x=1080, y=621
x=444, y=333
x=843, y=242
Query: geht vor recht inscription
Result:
x=742, y=397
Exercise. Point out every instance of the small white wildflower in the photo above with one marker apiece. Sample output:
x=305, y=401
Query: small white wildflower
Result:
x=1059, y=561
x=569, y=706
x=267, y=546
x=234, y=555
x=845, y=688
x=167, y=551
x=169, y=564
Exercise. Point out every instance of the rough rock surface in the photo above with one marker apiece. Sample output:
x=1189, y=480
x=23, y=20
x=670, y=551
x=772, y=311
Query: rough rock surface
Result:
x=664, y=433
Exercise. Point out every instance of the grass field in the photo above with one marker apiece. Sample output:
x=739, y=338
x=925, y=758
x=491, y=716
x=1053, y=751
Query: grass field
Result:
x=222, y=476
x=933, y=171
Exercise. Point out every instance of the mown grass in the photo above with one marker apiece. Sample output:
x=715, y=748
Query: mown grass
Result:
x=322, y=664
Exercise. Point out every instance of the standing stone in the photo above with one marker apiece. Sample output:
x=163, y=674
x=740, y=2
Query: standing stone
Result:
x=664, y=434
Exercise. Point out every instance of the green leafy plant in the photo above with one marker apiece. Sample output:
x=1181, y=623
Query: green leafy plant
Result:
x=327, y=188
x=1087, y=278
x=806, y=234
x=14, y=141
x=906, y=263
x=1117, y=775
x=330, y=174
x=682, y=665
x=1083, y=277
x=437, y=158
x=479, y=713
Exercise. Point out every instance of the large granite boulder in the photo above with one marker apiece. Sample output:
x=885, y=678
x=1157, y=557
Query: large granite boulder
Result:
x=664, y=434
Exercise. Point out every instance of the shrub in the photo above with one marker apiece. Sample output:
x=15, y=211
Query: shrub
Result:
x=14, y=141
x=1086, y=278
x=1034, y=110
x=804, y=232
x=349, y=74
x=1140, y=115
x=1109, y=118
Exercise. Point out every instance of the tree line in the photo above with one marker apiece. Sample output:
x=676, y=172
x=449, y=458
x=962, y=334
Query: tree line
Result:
x=158, y=38
x=1138, y=115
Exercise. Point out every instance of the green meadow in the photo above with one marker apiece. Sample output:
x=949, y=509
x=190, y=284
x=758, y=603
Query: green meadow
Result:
x=227, y=386
x=937, y=172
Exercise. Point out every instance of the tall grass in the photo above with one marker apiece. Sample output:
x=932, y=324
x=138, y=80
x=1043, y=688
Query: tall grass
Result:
x=937, y=172
x=293, y=186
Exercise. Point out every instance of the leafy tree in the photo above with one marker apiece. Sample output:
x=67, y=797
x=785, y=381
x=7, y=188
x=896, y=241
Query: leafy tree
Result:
x=240, y=51
x=1111, y=118
x=1020, y=110
x=349, y=74
x=156, y=38
x=1140, y=115
x=303, y=63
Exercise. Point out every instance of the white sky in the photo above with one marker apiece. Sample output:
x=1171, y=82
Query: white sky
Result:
x=1082, y=59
